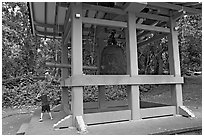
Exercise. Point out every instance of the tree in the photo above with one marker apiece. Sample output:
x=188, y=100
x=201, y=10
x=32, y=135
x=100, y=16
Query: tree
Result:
x=18, y=54
x=190, y=45
x=190, y=42
x=24, y=53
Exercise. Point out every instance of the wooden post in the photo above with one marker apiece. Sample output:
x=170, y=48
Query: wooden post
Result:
x=132, y=69
x=64, y=94
x=160, y=72
x=100, y=36
x=76, y=63
x=64, y=73
x=174, y=65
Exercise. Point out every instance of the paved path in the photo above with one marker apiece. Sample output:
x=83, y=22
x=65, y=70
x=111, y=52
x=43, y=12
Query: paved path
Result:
x=142, y=127
x=46, y=127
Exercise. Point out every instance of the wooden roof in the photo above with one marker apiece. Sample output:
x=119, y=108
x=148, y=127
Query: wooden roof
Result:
x=47, y=18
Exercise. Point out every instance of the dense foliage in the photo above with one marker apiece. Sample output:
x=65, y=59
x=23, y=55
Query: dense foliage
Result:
x=24, y=57
x=190, y=42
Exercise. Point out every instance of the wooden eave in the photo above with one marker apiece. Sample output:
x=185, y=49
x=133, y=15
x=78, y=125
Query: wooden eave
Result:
x=49, y=19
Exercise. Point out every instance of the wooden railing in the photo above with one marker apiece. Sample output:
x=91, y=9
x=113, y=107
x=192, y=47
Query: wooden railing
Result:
x=89, y=80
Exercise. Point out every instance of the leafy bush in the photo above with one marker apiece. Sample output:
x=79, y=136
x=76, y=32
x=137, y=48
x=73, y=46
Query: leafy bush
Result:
x=25, y=93
x=112, y=93
x=90, y=94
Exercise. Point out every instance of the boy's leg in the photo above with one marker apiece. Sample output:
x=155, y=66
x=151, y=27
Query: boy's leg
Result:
x=49, y=112
x=41, y=114
x=50, y=115
x=41, y=117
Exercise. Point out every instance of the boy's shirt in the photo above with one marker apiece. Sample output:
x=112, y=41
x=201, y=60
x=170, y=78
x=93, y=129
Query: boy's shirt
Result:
x=44, y=99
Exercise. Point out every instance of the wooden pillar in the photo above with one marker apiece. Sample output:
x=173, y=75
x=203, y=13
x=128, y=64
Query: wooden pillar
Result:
x=160, y=72
x=132, y=67
x=64, y=94
x=64, y=73
x=76, y=63
x=174, y=65
x=100, y=36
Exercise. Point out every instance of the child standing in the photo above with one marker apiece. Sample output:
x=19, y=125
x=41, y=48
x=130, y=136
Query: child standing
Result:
x=45, y=102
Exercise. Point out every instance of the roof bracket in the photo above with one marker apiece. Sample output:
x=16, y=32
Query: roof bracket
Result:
x=135, y=7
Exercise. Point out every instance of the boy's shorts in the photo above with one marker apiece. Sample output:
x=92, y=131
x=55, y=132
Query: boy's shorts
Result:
x=45, y=108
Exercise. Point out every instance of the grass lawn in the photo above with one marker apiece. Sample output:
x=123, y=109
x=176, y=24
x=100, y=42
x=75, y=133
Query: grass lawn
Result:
x=192, y=93
x=192, y=98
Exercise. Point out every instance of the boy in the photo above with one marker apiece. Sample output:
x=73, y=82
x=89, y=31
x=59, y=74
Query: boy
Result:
x=45, y=104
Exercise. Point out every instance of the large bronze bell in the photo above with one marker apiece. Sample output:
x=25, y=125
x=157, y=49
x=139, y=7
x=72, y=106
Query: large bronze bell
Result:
x=113, y=61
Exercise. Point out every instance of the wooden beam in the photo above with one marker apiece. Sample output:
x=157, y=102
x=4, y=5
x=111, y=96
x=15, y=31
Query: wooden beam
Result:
x=67, y=28
x=65, y=100
x=80, y=124
x=198, y=6
x=127, y=51
x=191, y=3
x=56, y=65
x=67, y=20
x=104, y=22
x=147, y=32
x=47, y=33
x=48, y=25
x=160, y=10
x=175, y=7
x=45, y=14
x=89, y=80
x=67, y=34
x=156, y=37
x=160, y=60
x=104, y=9
x=176, y=96
x=32, y=16
x=64, y=73
x=67, y=17
x=47, y=36
x=77, y=60
x=134, y=7
x=153, y=28
x=174, y=65
x=152, y=16
x=103, y=117
x=173, y=49
x=158, y=111
x=63, y=4
x=55, y=20
x=132, y=55
x=64, y=27
x=184, y=111
x=132, y=47
x=177, y=15
x=100, y=36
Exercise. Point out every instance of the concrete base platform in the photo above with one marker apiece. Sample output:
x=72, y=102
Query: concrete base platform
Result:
x=161, y=125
